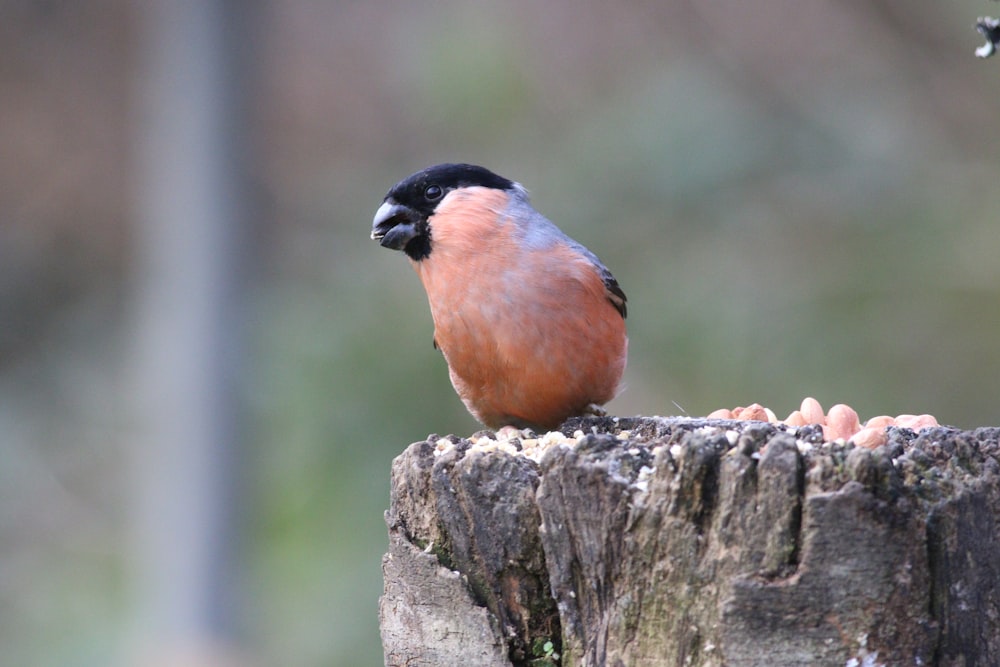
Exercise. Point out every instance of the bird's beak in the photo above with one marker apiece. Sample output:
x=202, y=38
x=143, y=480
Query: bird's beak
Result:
x=394, y=225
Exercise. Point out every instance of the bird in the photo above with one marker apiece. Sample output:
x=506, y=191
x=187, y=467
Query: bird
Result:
x=530, y=322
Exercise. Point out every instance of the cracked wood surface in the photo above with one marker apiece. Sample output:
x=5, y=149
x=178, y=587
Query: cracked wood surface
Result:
x=694, y=542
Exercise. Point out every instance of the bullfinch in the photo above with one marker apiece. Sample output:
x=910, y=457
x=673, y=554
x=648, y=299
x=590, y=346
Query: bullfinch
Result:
x=531, y=323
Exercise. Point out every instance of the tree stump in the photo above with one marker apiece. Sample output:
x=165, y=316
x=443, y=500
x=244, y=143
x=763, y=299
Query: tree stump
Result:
x=694, y=542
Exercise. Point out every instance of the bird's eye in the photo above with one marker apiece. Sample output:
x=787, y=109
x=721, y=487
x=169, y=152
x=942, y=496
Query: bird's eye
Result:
x=432, y=192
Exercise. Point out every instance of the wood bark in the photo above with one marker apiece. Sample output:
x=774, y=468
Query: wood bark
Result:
x=692, y=542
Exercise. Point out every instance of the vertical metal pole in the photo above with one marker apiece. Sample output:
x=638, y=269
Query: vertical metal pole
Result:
x=193, y=241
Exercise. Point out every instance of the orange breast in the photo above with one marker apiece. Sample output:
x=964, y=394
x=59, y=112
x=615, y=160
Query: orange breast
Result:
x=530, y=339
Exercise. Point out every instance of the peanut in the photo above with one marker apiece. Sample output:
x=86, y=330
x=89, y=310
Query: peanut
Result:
x=812, y=411
x=841, y=422
x=870, y=437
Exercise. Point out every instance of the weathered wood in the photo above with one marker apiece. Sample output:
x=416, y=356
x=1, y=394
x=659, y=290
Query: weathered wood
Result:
x=689, y=542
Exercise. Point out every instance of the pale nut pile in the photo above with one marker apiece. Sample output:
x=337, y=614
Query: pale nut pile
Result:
x=840, y=423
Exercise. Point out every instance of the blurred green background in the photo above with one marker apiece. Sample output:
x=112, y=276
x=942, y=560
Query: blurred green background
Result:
x=798, y=198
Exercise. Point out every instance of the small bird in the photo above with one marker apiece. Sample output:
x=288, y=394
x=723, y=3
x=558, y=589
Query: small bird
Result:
x=531, y=323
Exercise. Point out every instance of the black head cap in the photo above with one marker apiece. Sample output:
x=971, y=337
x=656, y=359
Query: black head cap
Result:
x=423, y=190
x=402, y=221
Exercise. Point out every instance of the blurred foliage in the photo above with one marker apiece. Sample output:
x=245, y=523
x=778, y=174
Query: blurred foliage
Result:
x=798, y=199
